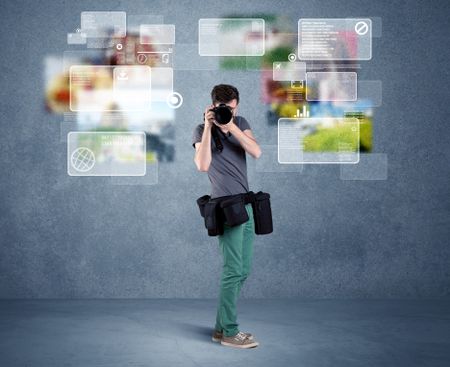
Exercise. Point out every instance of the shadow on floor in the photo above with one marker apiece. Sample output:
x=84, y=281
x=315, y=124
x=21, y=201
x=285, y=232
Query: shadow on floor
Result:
x=200, y=332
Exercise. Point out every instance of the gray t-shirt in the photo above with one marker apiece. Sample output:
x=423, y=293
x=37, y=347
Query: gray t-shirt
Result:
x=228, y=169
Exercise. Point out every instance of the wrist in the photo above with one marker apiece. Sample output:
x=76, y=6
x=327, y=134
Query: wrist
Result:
x=232, y=127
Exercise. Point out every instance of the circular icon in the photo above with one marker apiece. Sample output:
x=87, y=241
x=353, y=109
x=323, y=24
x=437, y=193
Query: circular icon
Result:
x=142, y=58
x=119, y=46
x=174, y=100
x=292, y=57
x=361, y=28
x=82, y=159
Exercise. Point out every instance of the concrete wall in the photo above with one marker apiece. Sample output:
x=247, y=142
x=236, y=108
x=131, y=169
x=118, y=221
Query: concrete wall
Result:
x=74, y=237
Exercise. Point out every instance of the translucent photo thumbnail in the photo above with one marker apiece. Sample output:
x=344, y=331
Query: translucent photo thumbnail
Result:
x=106, y=154
x=318, y=140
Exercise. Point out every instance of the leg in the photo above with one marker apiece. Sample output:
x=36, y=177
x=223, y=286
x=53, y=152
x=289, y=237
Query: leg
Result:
x=247, y=245
x=231, y=247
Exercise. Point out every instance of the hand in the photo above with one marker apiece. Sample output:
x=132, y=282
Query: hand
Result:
x=209, y=117
x=226, y=127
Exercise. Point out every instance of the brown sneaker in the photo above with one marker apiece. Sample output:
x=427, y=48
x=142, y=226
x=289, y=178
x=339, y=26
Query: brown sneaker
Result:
x=239, y=340
x=217, y=336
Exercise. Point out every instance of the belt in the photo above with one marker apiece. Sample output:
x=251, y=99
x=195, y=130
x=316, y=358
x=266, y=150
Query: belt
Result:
x=248, y=197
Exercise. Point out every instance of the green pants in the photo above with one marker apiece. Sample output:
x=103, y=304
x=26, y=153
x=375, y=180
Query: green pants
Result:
x=236, y=245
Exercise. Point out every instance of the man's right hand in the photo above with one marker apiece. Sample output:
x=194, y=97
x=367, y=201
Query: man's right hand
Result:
x=209, y=117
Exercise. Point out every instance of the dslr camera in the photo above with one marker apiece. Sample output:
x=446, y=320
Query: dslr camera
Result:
x=222, y=114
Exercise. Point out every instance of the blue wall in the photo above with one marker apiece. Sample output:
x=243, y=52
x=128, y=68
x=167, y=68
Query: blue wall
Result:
x=74, y=237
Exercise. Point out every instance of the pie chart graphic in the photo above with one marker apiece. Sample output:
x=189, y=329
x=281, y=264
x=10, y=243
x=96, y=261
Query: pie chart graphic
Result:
x=82, y=159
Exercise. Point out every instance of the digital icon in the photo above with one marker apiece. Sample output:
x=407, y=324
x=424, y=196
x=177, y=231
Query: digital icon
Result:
x=361, y=28
x=142, y=58
x=305, y=112
x=292, y=57
x=119, y=46
x=82, y=159
x=123, y=75
x=174, y=100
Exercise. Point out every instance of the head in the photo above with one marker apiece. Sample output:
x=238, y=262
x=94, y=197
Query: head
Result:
x=224, y=93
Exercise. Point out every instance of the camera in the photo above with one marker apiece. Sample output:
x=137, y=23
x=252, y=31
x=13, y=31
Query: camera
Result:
x=222, y=114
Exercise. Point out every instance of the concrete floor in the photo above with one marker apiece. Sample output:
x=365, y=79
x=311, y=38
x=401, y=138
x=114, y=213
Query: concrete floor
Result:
x=166, y=332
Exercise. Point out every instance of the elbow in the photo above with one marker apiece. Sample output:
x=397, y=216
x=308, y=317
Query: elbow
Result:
x=202, y=167
x=257, y=153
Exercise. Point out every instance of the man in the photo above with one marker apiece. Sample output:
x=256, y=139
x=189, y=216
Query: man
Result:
x=227, y=172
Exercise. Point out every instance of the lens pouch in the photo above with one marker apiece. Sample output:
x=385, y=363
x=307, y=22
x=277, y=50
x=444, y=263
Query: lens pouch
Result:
x=213, y=218
x=201, y=202
x=234, y=211
x=262, y=213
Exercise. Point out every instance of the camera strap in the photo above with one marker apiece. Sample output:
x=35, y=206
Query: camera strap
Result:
x=216, y=139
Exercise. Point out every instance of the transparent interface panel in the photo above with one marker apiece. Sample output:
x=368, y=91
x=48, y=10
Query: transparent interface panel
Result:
x=371, y=167
x=331, y=86
x=231, y=37
x=289, y=71
x=268, y=162
x=110, y=88
x=77, y=38
x=157, y=34
x=335, y=39
x=318, y=140
x=162, y=84
x=104, y=23
x=150, y=178
x=370, y=93
x=106, y=154
x=186, y=57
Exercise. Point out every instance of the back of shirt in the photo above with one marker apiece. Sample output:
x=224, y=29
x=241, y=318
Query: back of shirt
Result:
x=228, y=169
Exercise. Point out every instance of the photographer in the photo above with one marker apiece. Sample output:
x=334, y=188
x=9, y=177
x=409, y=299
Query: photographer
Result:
x=220, y=150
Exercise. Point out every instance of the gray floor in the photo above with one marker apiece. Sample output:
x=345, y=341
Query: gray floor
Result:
x=167, y=332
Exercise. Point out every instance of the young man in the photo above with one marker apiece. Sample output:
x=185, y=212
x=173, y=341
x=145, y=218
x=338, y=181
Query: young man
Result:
x=227, y=172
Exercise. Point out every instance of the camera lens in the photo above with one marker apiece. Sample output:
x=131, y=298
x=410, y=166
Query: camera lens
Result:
x=223, y=114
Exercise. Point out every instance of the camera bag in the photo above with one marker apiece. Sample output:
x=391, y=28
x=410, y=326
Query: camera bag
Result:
x=262, y=213
x=231, y=210
x=201, y=202
x=234, y=210
x=210, y=211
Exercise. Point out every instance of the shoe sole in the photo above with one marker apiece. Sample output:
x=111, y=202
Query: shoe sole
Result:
x=241, y=346
x=218, y=340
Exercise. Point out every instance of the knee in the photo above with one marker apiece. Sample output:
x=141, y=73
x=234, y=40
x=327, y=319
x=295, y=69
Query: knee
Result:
x=244, y=275
x=246, y=270
x=232, y=276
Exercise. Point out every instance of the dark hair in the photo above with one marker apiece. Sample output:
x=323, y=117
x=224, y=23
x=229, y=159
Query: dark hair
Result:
x=224, y=93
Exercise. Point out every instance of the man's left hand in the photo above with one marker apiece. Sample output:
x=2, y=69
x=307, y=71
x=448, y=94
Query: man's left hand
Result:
x=227, y=127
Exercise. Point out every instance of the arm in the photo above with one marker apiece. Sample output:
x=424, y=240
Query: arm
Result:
x=246, y=139
x=202, y=157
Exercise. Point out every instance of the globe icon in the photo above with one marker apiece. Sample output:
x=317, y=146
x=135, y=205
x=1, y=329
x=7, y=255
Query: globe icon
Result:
x=82, y=159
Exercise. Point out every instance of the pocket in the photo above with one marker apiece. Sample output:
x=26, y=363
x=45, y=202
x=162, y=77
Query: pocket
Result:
x=234, y=211
x=262, y=213
x=201, y=202
x=213, y=220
